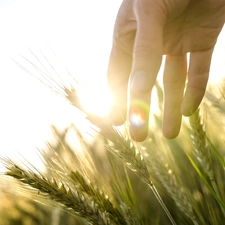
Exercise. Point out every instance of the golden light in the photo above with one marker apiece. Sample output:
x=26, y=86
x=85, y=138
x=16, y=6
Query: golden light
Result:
x=137, y=119
x=81, y=42
x=96, y=100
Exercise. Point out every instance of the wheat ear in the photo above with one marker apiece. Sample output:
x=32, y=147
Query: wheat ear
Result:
x=71, y=200
x=122, y=147
x=165, y=174
x=98, y=195
x=201, y=149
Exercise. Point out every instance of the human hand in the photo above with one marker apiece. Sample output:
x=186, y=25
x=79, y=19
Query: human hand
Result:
x=144, y=31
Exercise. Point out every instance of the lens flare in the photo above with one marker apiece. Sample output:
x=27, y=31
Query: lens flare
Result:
x=138, y=115
x=137, y=119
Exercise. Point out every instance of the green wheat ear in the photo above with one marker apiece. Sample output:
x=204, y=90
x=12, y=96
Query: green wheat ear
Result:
x=71, y=200
x=203, y=155
x=201, y=147
x=161, y=164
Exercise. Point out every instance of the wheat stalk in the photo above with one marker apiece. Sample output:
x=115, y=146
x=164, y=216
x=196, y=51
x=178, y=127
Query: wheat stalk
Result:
x=71, y=200
x=164, y=173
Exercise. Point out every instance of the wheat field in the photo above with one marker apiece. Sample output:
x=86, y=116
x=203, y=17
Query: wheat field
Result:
x=113, y=180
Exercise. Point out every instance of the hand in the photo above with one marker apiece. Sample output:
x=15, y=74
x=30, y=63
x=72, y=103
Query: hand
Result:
x=144, y=31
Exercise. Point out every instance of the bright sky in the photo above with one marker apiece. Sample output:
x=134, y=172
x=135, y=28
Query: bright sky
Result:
x=79, y=32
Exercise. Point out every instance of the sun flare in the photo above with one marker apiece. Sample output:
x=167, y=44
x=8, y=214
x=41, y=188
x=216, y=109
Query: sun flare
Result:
x=137, y=119
x=96, y=100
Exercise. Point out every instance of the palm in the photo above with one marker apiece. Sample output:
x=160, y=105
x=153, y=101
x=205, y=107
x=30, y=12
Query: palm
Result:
x=195, y=29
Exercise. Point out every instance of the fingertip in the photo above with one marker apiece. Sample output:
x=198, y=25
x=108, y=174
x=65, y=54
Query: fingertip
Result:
x=187, y=112
x=138, y=127
x=193, y=96
x=138, y=135
x=117, y=115
x=171, y=124
x=117, y=112
x=170, y=133
x=188, y=107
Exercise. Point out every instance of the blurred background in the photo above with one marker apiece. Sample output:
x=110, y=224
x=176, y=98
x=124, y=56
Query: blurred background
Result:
x=73, y=36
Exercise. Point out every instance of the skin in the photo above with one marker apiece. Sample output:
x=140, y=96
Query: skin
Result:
x=144, y=31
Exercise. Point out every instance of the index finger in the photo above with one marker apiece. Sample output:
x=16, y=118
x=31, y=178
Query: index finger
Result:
x=147, y=58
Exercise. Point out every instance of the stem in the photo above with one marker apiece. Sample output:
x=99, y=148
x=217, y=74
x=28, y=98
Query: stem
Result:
x=158, y=197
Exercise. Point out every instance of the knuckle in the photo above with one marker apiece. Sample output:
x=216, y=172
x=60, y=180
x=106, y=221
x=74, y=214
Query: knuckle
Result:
x=124, y=37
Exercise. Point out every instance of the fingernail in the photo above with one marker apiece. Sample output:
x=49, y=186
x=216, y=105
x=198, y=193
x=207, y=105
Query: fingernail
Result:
x=139, y=82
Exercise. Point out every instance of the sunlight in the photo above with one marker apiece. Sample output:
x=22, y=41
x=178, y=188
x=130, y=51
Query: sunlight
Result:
x=81, y=47
x=137, y=120
x=81, y=43
x=96, y=100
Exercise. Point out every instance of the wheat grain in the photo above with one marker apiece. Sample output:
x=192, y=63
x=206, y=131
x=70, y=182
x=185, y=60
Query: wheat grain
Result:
x=129, y=216
x=71, y=200
x=164, y=173
x=201, y=148
x=98, y=195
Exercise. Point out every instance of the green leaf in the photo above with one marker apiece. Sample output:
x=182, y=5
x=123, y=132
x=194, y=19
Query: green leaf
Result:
x=209, y=186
